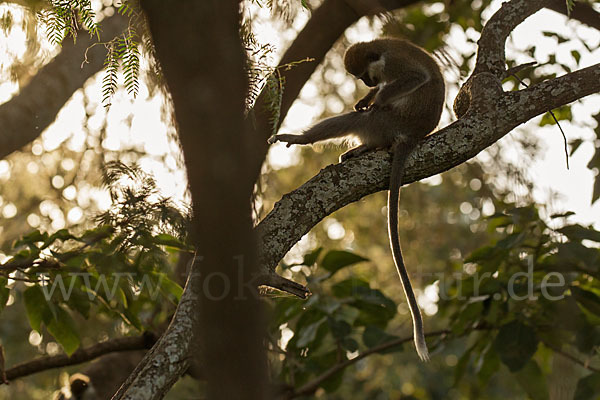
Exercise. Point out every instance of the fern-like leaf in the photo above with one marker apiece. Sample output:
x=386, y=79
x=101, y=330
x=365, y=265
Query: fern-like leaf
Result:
x=570, y=5
x=131, y=62
x=111, y=65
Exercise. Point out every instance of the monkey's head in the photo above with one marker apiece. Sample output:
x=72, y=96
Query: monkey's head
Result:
x=365, y=61
x=81, y=387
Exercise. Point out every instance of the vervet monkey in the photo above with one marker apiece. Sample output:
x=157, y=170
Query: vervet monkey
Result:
x=80, y=388
x=404, y=106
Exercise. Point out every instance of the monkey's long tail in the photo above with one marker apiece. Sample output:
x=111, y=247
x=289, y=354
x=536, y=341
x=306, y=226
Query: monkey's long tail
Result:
x=401, y=153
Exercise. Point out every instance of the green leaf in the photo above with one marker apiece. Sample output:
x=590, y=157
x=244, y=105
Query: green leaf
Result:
x=285, y=309
x=349, y=287
x=329, y=305
x=349, y=344
x=562, y=215
x=516, y=343
x=332, y=383
x=375, y=308
x=579, y=233
x=482, y=253
x=461, y=366
x=130, y=317
x=596, y=192
x=169, y=240
x=309, y=333
x=347, y=313
x=512, y=241
x=62, y=234
x=80, y=302
x=169, y=286
x=36, y=307
x=489, y=365
x=339, y=328
x=588, y=387
x=64, y=330
x=311, y=258
x=469, y=314
x=335, y=260
x=558, y=37
x=524, y=214
x=577, y=254
x=533, y=381
x=589, y=300
x=561, y=113
x=30, y=239
x=373, y=336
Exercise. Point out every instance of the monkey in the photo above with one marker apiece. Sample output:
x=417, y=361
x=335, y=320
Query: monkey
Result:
x=80, y=388
x=403, y=106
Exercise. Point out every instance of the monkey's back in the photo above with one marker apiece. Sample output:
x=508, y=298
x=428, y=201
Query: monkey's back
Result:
x=420, y=111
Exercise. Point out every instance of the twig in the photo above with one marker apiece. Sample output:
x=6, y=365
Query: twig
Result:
x=144, y=341
x=518, y=68
x=550, y=111
x=584, y=364
x=311, y=386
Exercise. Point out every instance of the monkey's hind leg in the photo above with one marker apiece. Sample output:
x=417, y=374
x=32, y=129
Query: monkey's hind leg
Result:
x=330, y=128
x=288, y=138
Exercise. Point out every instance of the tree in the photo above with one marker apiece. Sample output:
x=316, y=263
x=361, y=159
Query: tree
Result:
x=220, y=324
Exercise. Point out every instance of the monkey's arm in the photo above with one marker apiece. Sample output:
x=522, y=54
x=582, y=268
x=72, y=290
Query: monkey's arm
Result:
x=394, y=90
x=364, y=103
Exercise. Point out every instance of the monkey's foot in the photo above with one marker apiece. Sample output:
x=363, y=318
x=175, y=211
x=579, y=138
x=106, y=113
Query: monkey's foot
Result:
x=355, y=152
x=287, y=138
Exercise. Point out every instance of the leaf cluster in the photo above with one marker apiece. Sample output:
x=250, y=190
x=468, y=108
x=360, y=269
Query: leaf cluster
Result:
x=120, y=268
x=63, y=18
x=529, y=293
x=533, y=290
x=124, y=52
x=339, y=319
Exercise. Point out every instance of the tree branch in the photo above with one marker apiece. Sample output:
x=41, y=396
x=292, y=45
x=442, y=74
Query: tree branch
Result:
x=29, y=113
x=313, y=385
x=169, y=358
x=492, y=115
x=582, y=12
x=490, y=51
x=142, y=342
x=585, y=364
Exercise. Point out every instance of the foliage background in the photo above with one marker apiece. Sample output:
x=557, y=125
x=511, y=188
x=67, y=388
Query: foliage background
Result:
x=478, y=217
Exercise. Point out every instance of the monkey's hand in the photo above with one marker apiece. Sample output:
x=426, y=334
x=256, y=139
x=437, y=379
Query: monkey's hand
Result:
x=288, y=138
x=362, y=105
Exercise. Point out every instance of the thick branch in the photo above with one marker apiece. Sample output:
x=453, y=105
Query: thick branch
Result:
x=490, y=52
x=169, y=358
x=27, y=114
x=552, y=93
x=80, y=356
x=492, y=116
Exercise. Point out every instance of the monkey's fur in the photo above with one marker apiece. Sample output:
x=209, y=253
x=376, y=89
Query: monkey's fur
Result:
x=404, y=106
